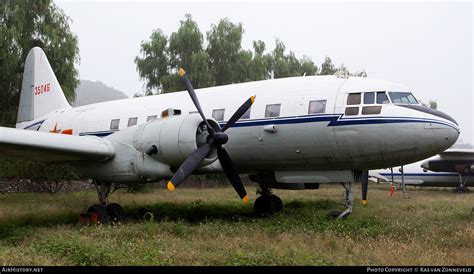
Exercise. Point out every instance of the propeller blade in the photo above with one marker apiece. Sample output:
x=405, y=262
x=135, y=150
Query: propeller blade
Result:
x=189, y=165
x=241, y=111
x=364, y=182
x=187, y=84
x=231, y=174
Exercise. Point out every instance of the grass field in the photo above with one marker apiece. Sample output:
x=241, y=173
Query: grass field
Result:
x=211, y=227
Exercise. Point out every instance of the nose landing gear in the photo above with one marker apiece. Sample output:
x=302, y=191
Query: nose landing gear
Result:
x=348, y=199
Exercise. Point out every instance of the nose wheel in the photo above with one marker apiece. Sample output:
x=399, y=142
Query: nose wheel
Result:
x=349, y=203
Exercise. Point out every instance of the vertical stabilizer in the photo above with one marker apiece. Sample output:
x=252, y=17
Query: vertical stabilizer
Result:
x=40, y=90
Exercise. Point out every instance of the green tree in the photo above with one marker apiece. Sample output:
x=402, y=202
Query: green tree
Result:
x=261, y=67
x=308, y=67
x=285, y=65
x=327, y=67
x=243, y=67
x=24, y=25
x=294, y=66
x=186, y=51
x=153, y=63
x=279, y=65
x=224, y=44
x=199, y=69
x=183, y=43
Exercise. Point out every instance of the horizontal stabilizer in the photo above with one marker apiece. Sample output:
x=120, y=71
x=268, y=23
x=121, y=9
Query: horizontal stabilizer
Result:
x=52, y=147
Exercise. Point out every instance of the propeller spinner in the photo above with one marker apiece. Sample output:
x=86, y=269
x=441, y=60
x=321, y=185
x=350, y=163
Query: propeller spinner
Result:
x=215, y=140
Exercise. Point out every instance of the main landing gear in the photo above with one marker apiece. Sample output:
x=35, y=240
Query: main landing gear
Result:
x=349, y=203
x=268, y=203
x=103, y=213
x=462, y=188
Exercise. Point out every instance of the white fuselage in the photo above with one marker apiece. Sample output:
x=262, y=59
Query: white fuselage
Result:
x=415, y=175
x=293, y=141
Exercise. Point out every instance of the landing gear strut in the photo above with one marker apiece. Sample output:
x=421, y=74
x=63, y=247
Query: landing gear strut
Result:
x=103, y=213
x=462, y=188
x=268, y=203
x=348, y=199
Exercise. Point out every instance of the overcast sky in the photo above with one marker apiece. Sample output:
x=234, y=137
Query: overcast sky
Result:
x=425, y=46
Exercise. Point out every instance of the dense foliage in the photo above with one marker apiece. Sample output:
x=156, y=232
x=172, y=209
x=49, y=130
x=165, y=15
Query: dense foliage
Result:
x=223, y=61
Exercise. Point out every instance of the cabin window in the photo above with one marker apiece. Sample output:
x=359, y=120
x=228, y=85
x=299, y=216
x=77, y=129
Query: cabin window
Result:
x=352, y=111
x=317, y=106
x=272, y=110
x=193, y=112
x=369, y=98
x=246, y=114
x=132, y=121
x=353, y=99
x=382, y=98
x=114, y=124
x=151, y=117
x=403, y=98
x=218, y=114
x=371, y=110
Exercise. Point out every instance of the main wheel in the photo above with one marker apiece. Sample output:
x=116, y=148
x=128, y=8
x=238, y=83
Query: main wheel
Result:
x=263, y=205
x=461, y=189
x=115, y=212
x=277, y=203
x=98, y=214
x=268, y=205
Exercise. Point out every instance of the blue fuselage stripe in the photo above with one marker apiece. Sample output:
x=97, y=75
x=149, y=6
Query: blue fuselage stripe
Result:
x=333, y=119
x=421, y=174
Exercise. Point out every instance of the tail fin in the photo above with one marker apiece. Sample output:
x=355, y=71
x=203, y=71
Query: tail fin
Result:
x=40, y=90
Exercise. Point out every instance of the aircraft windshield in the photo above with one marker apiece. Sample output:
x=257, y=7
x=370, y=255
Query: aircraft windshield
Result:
x=403, y=98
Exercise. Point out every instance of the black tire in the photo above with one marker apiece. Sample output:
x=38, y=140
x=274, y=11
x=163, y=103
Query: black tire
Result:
x=116, y=212
x=277, y=203
x=461, y=189
x=333, y=214
x=98, y=214
x=263, y=205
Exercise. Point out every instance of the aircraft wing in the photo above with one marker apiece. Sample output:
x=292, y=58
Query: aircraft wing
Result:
x=458, y=153
x=52, y=147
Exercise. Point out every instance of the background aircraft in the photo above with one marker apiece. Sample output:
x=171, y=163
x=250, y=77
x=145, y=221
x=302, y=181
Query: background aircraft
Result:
x=450, y=168
x=299, y=133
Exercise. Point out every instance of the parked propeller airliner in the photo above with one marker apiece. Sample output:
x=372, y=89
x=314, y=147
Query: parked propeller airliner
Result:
x=292, y=133
x=450, y=168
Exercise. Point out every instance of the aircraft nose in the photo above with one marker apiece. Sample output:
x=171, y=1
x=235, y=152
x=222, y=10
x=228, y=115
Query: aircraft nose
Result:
x=445, y=130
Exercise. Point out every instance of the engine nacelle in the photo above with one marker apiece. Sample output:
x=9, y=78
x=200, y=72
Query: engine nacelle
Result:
x=175, y=138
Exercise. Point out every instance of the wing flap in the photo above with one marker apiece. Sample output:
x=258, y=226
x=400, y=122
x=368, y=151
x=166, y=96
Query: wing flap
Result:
x=52, y=147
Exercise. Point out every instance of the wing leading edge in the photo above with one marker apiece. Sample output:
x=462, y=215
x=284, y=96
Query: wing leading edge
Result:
x=51, y=147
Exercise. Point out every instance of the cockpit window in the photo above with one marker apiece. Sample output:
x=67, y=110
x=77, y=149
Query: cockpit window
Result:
x=403, y=98
x=353, y=99
x=382, y=98
x=369, y=98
